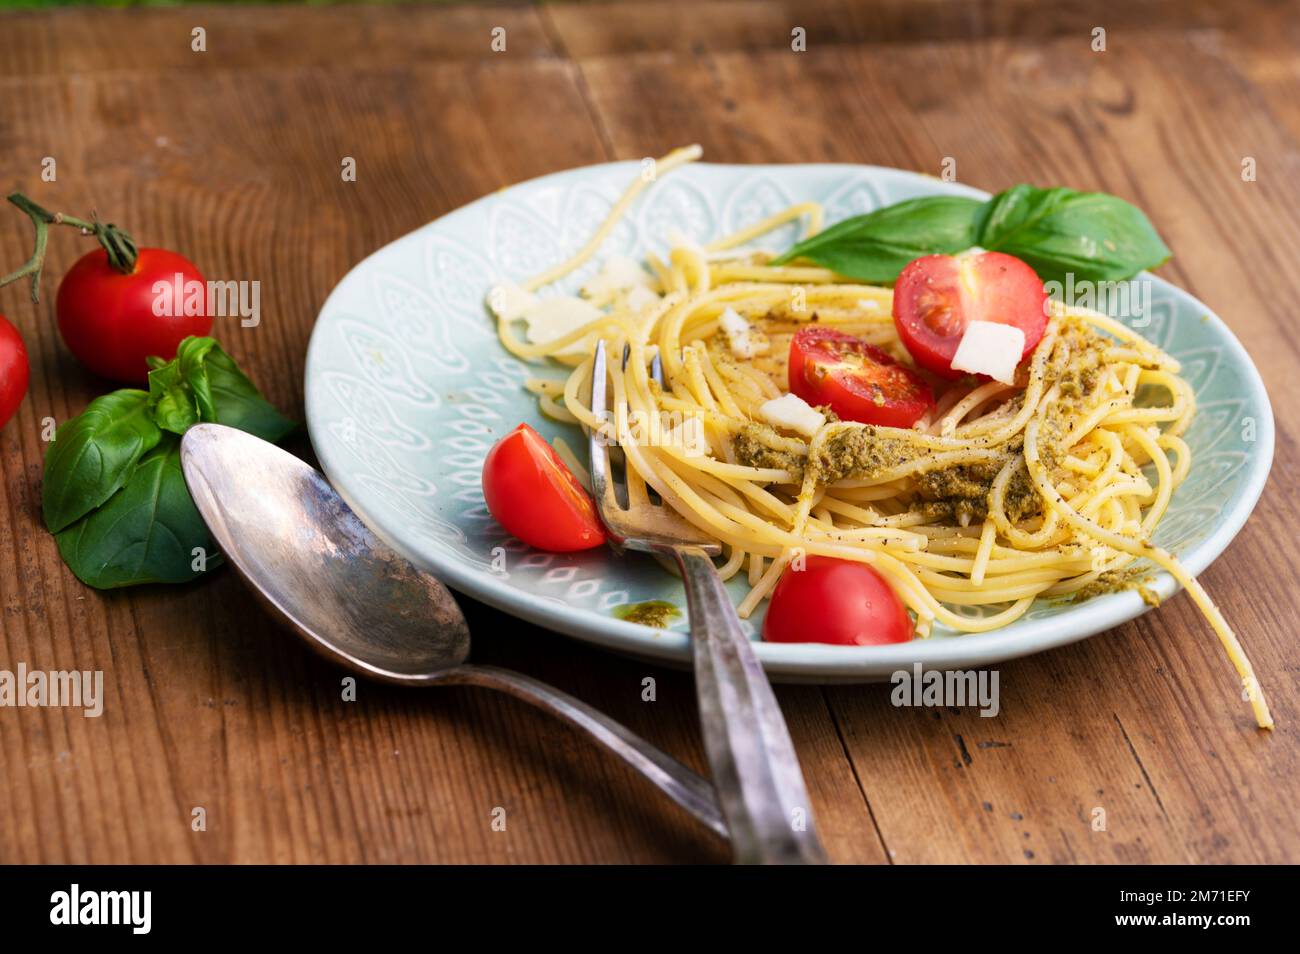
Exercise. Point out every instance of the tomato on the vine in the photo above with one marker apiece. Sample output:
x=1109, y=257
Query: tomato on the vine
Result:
x=13, y=370
x=119, y=305
x=112, y=321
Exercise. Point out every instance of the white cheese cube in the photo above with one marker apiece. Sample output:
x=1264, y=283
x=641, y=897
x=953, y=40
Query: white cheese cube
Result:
x=618, y=273
x=508, y=301
x=792, y=413
x=733, y=324
x=552, y=318
x=736, y=329
x=988, y=347
x=640, y=298
x=745, y=343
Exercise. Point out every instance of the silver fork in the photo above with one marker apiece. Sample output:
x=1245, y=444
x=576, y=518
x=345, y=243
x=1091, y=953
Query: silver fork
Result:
x=755, y=769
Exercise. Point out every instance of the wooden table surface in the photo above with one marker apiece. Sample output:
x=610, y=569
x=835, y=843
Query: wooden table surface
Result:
x=232, y=156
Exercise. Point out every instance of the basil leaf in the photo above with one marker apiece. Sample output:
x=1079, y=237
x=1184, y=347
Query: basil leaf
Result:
x=95, y=454
x=173, y=405
x=145, y=533
x=875, y=247
x=1091, y=235
x=224, y=394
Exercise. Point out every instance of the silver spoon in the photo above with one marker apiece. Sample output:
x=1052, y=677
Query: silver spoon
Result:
x=359, y=603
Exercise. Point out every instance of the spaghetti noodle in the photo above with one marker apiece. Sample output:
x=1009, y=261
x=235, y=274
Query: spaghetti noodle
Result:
x=1001, y=496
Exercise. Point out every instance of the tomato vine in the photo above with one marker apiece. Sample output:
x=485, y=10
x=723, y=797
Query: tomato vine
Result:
x=121, y=248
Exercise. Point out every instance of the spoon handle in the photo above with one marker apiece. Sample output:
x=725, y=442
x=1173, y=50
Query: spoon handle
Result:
x=687, y=788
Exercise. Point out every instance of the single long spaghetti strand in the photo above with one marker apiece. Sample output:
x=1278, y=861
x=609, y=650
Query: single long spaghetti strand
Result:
x=661, y=166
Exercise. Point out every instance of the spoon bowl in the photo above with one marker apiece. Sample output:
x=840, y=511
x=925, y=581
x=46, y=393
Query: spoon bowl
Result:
x=309, y=557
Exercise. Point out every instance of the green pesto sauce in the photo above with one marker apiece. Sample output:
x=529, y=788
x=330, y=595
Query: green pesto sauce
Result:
x=1113, y=581
x=752, y=447
x=656, y=613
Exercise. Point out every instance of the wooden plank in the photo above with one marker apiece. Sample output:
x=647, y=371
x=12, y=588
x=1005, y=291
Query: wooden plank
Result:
x=697, y=27
x=360, y=36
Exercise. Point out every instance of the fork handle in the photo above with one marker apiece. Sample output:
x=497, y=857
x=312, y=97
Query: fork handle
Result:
x=755, y=769
x=683, y=786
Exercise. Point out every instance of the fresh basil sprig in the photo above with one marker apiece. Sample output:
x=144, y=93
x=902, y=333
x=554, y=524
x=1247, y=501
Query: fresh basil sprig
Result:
x=114, y=494
x=1090, y=235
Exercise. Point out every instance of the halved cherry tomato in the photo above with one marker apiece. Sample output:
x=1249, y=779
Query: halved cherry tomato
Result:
x=13, y=370
x=935, y=297
x=535, y=497
x=859, y=381
x=835, y=601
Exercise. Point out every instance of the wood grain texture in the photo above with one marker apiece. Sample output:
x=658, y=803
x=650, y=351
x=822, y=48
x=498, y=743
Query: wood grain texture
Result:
x=233, y=157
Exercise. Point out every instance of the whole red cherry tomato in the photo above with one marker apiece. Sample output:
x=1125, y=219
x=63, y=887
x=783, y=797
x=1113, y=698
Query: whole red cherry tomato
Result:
x=112, y=321
x=13, y=370
x=835, y=601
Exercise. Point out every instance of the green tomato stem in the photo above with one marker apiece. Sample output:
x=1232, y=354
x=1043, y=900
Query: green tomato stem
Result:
x=121, y=248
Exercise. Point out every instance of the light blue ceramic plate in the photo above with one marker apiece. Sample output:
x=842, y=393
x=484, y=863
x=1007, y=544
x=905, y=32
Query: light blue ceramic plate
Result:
x=407, y=388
